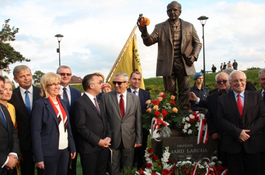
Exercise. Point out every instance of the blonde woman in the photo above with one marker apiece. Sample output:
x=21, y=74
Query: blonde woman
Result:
x=52, y=138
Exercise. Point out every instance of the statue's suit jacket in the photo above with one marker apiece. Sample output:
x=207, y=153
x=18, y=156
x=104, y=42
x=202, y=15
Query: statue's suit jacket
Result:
x=45, y=130
x=190, y=46
x=128, y=129
x=8, y=139
x=23, y=117
x=253, y=119
x=90, y=125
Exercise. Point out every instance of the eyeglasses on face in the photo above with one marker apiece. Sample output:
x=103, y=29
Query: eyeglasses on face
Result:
x=221, y=81
x=118, y=82
x=63, y=74
x=101, y=82
x=54, y=84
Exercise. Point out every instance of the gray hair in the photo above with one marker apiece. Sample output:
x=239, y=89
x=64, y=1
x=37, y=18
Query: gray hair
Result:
x=63, y=66
x=237, y=71
x=17, y=69
x=228, y=70
x=262, y=71
x=221, y=73
x=125, y=76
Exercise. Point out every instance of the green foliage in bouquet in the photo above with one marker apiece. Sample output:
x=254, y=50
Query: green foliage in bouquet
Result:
x=128, y=171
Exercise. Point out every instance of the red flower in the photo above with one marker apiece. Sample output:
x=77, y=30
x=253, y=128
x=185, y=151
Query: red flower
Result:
x=157, y=113
x=159, y=163
x=164, y=95
x=141, y=172
x=153, y=174
x=155, y=102
x=155, y=158
x=149, y=165
x=173, y=102
x=197, y=118
x=191, y=120
x=164, y=113
x=150, y=150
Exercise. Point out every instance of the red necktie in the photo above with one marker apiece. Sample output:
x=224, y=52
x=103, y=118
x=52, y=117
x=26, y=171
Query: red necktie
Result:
x=239, y=105
x=121, y=105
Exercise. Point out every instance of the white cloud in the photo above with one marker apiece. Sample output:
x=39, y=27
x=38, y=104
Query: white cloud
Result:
x=95, y=32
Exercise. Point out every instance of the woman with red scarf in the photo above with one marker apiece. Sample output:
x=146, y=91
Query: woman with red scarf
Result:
x=52, y=138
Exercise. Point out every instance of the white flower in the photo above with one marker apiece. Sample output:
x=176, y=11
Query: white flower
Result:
x=183, y=120
x=187, y=119
x=184, y=130
x=189, y=125
x=190, y=131
x=191, y=116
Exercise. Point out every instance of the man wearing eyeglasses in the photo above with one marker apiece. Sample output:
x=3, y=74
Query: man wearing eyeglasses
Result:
x=123, y=110
x=241, y=114
x=69, y=96
x=23, y=99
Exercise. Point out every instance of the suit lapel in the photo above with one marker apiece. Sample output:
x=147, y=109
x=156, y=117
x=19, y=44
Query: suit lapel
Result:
x=129, y=103
x=167, y=30
x=50, y=109
x=87, y=99
x=233, y=103
x=114, y=100
x=20, y=100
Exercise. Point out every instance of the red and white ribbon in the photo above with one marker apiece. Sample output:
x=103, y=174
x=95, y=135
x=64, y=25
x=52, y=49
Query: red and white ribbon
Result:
x=200, y=132
x=155, y=125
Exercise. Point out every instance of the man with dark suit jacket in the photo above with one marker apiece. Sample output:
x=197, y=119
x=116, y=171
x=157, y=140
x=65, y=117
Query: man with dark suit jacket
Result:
x=9, y=148
x=93, y=133
x=123, y=110
x=23, y=99
x=135, y=82
x=70, y=95
x=178, y=47
x=241, y=115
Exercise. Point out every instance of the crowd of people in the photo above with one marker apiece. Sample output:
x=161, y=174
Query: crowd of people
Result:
x=48, y=127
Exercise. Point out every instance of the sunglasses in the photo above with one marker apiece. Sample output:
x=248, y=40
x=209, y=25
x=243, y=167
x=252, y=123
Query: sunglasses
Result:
x=63, y=74
x=118, y=82
x=221, y=81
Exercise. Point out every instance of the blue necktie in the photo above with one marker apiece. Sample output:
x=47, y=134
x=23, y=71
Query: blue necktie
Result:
x=27, y=102
x=65, y=97
x=3, y=118
x=134, y=92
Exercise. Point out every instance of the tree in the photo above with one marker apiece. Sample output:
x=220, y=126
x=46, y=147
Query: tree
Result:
x=36, y=76
x=8, y=55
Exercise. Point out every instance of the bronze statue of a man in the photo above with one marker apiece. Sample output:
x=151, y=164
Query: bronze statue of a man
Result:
x=178, y=48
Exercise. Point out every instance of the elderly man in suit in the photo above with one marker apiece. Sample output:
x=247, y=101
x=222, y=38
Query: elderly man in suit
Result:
x=123, y=110
x=9, y=148
x=135, y=82
x=178, y=48
x=93, y=133
x=23, y=99
x=70, y=95
x=241, y=114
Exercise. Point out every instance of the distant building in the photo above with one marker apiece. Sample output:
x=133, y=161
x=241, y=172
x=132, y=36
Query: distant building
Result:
x=76, y=80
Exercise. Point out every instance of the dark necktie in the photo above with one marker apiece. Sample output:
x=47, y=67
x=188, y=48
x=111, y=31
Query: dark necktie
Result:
x=27, y=102
x=3, y=118
x=239, y=105
x=121, y=105
x=264, y=96
x=134, y=92
x=96, y=104
x=65, y=97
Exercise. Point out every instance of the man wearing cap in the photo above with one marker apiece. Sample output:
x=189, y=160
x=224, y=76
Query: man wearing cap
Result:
x=200, y=91
x=135, y=82
x=178, y=47
x=69, y=96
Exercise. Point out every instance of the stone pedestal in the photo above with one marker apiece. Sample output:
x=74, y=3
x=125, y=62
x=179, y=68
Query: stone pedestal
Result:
x=182, y=147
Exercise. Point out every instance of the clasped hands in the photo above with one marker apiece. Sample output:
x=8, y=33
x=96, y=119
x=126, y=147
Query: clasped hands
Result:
x=12, y=162
x=104, y=143
x=243, y=135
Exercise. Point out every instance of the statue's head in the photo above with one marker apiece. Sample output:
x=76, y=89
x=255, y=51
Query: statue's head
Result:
x=173, y=10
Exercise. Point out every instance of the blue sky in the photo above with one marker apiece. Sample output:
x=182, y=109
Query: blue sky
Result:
x=95, y=32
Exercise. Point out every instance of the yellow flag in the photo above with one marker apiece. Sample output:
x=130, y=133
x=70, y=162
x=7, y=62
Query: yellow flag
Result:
x=129, y=62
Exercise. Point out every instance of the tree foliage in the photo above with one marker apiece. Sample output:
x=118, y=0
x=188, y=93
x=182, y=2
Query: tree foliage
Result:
x=8, y=55
x=37, y=75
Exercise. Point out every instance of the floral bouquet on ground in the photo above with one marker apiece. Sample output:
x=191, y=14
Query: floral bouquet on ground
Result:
x=194, y=125
x=154, y=166
x=161, y=113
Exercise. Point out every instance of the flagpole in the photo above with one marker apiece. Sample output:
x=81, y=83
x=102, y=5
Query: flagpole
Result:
x=121, y=53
